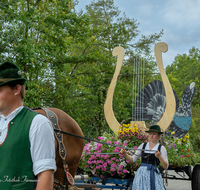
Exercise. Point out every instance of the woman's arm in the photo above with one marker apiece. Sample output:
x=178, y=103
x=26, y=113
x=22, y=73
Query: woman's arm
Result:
x=128, y=157
x=133, y=158
x=163, y=158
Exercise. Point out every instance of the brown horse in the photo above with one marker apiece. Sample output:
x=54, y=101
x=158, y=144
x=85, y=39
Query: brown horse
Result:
x=73, y=145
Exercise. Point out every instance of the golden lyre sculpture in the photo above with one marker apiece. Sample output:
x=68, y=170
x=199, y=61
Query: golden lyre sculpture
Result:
x=168, y=115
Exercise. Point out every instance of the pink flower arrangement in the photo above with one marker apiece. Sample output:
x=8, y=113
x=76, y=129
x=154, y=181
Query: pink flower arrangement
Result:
x=112, y=163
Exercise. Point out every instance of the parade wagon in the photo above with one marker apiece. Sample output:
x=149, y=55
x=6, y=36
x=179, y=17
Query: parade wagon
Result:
x=156, y=103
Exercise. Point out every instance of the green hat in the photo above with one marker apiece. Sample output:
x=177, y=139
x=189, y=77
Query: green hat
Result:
x=10, y=74
x=154, y=128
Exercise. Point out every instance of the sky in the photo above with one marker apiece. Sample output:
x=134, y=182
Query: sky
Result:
x=180, y=20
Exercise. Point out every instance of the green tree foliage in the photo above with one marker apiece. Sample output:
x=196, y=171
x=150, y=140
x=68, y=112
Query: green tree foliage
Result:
x=184, y=70
x=115, y=29
x=40, y=37
x=67, y=56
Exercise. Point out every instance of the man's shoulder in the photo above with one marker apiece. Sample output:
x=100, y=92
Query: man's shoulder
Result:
x=38, y=117
x=40, y=124
x=41, y=118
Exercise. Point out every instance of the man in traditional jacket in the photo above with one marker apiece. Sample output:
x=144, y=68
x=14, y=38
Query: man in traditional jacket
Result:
x=27, y=149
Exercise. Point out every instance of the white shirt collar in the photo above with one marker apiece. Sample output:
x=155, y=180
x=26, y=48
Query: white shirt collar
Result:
x=12, y=114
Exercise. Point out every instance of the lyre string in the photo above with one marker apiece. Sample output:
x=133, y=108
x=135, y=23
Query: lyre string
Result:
x=133, y=95
x=143, y=89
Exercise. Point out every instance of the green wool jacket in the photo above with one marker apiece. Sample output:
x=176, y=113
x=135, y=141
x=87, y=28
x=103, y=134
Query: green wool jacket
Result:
x=16, y=167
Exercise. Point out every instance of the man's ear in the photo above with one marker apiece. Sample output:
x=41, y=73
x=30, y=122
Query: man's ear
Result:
x=18, y=88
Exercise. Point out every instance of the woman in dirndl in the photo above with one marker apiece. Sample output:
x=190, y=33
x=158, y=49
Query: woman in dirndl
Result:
x=148, y=176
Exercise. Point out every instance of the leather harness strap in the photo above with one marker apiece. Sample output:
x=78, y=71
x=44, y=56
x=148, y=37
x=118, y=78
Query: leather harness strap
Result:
x=54, y=120
x=57, y=185
x=62, y=151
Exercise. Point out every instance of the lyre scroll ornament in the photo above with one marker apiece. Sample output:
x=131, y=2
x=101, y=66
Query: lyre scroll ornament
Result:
x=170, y=100
x=108, y=110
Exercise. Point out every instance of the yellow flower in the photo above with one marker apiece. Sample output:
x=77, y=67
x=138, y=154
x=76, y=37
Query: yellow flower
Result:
x=187, y=141
x=183, y=140
x=134, y=125
x=172, y=133
x=187, y=136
